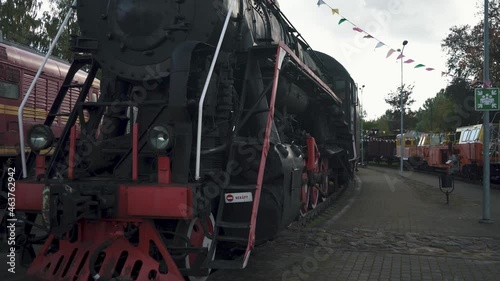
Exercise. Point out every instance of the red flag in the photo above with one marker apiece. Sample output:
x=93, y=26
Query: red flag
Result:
x=357, y=29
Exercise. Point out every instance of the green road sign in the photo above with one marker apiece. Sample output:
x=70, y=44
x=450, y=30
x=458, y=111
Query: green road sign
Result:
x=486, y=99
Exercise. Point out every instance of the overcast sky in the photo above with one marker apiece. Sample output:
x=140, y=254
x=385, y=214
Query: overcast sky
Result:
x=424, y=23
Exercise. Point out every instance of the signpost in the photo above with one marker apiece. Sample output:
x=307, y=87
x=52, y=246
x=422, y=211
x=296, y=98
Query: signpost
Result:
x=486, y=99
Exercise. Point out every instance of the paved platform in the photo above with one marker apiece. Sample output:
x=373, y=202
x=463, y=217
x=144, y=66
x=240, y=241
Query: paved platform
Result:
x=383, y=228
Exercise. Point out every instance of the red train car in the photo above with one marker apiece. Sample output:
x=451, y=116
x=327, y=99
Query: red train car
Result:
x=18, y=67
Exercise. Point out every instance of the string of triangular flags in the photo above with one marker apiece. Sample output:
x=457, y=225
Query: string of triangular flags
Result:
x=373, y=139
x=379, y=42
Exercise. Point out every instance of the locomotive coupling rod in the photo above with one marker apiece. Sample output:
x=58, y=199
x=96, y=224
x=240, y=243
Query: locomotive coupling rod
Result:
x=25, y=99
x=205, y=88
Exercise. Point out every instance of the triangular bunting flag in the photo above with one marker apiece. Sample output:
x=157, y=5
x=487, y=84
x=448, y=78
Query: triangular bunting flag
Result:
x=419, y=65
x=400, y=56
x=335, y=11
x=321, y=2
x=368, y=36
x=409, y=61
x=429, y=69
x=357, y=29
x=342, y=20
x=391, y=51
x=379, y=44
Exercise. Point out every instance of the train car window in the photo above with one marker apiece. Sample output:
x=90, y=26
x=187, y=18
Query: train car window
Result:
x=462, y=137
x=465, y=136
x=9, y=90
x=1, y=72
x=474, y=135
x=407, y=142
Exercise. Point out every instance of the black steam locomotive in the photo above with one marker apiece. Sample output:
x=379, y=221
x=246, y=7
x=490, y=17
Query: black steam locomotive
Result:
x=190, y=153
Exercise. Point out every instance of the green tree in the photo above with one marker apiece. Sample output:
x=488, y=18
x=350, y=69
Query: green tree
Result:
x=394, y=114
x=464, y=47
x=382, y=124
x=52, y=20
x=20, y=21
x=433, y=115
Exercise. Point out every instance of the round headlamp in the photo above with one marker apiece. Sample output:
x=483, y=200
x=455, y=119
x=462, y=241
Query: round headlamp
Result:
x=40, y=137
x=160, y=138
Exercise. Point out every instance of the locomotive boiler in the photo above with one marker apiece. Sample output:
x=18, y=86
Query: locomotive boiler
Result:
x=192, y=153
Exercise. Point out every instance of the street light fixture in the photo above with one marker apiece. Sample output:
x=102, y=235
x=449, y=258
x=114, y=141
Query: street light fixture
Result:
x=402, y=113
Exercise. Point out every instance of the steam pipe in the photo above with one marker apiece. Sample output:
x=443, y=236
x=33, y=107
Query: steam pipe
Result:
x=205, y=88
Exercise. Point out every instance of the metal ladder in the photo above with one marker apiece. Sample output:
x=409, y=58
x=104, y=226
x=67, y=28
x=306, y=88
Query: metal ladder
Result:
x=78, y=63
x=255, y=190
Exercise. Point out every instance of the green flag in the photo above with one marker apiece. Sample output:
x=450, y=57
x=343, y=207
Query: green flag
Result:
x=419, y=65
x=342, y=20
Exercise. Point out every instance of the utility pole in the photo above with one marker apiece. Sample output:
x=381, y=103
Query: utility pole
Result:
x=402, y=113
x=486, y=124
x=431, y=117
x=362, y=139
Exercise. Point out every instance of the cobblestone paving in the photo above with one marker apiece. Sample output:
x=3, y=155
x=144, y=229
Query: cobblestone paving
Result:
x=359, y=254
x=387, y=228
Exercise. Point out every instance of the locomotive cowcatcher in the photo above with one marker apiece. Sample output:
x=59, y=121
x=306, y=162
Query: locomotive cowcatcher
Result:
x=192, y=153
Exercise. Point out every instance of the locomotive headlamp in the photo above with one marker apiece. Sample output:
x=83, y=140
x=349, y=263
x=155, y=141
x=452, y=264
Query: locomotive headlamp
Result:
x=160, y=138
x=40, y=137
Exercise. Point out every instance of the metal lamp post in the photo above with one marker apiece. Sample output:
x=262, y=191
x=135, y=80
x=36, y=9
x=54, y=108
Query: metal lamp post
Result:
x=486, y=123
x=402, y=113
x=362, y=138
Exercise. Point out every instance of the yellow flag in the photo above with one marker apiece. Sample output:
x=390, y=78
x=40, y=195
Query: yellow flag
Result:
x=335, y=11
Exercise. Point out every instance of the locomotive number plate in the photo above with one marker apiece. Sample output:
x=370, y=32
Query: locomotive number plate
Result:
x=239, y=197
